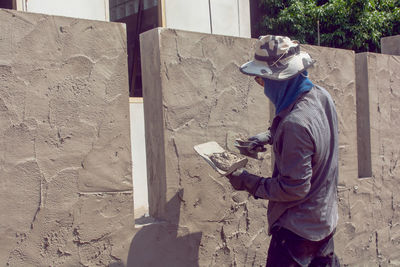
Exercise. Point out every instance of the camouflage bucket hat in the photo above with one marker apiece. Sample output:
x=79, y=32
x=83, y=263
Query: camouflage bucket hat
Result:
x=277, y=58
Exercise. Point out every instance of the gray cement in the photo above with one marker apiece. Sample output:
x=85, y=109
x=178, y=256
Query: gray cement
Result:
x=391, y=45
x=65, y=167
x=195, y=93
x=66, y=191
x=375, y=201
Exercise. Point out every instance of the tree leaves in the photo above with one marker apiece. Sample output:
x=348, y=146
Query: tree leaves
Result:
x=349, y=24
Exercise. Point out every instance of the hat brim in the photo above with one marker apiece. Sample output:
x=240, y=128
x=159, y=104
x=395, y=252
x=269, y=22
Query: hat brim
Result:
x=280, y=72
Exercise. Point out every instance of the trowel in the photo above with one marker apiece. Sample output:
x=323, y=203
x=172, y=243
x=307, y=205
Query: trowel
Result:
x=236, y=143
x=249, y=148
x=224, y=162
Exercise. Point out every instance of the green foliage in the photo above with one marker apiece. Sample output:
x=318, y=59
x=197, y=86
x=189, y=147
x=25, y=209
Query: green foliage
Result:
x=349, y=24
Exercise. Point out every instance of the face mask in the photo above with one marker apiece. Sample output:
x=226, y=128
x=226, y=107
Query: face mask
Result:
x=284, y=93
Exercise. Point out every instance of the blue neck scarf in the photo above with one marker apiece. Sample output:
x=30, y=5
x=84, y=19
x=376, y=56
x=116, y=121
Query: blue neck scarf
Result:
x=284, y=93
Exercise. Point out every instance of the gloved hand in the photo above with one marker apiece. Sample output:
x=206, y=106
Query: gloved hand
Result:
x=242, y=180
x=263, y=138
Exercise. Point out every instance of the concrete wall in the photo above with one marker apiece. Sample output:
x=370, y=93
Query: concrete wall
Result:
x=391, y=45
x=65, y=168
x=375, y=203
x=193, y=93
x=65, y=162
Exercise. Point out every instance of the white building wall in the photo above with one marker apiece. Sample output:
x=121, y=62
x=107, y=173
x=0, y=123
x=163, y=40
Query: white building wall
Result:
x=83, y=9
x=190, y=15
x=244, y=18
x=227, y=17
x=138, y=148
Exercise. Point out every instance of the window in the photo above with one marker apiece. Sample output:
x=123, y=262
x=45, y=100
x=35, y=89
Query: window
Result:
x=139, y=16
x=6, y=4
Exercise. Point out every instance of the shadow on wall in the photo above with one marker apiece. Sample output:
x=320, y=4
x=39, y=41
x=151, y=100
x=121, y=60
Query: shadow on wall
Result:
x=165, y=243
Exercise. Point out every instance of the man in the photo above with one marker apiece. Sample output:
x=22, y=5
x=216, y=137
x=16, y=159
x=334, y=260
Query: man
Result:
x=302, y=192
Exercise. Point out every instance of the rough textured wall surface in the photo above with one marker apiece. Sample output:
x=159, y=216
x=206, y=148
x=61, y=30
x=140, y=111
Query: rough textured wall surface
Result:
x=374, y=212
x=391, y=45
x=65, y=172
x=194, y=93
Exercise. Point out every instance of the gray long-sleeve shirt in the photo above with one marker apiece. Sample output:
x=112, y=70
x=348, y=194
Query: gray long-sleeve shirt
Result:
x=302, y=191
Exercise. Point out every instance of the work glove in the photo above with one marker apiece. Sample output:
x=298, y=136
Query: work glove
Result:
x=242, y=180
x=261, y=139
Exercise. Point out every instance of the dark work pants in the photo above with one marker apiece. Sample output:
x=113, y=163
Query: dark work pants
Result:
x=287, y=249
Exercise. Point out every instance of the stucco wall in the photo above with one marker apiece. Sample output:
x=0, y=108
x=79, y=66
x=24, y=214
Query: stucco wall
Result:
x=66, y=188
x=193, y=93
x=374, y=203
x=65, y=164
x=391, y=45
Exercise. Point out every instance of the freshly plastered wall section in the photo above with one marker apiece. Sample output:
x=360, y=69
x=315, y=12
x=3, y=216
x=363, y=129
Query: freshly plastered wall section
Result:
x=65, y=166
x=374, y=202
x=194, y=93
x=391, y=45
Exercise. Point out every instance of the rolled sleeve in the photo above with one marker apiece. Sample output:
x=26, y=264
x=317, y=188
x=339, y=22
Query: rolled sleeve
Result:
x=294, y=164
